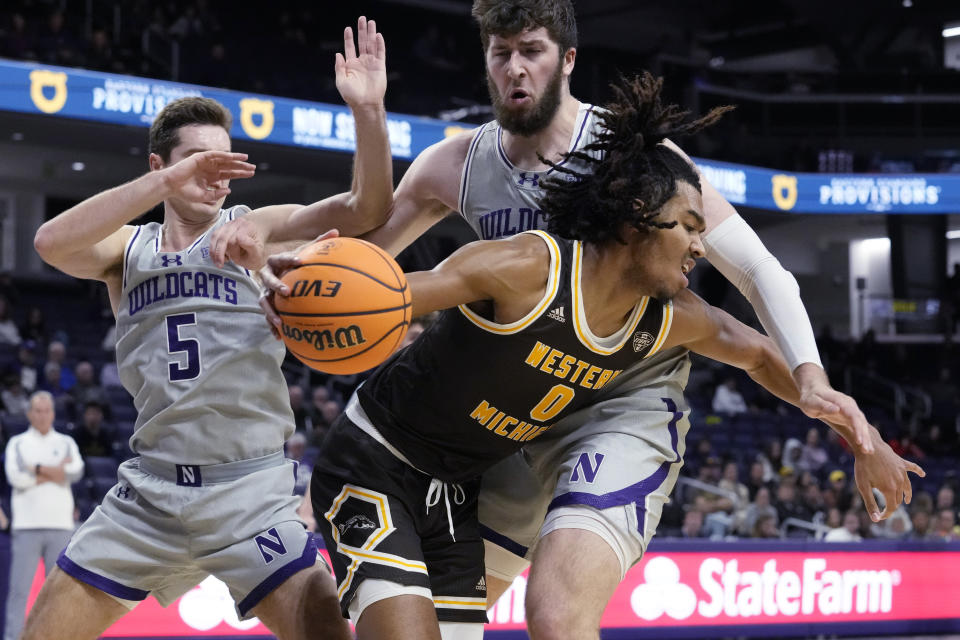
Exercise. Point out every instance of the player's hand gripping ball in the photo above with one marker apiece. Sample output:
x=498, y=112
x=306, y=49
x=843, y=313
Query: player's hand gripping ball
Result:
x=349, y=306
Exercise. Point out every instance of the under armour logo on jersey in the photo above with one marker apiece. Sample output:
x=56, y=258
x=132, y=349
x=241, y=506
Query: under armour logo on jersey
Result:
x=123, y=492
x=642, y=340
x=534, y=179
x=557, y=314
x=205, y=252
x=168, y=260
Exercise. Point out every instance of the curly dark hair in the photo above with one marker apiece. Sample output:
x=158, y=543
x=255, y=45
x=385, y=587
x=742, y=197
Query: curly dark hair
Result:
x=625, y=175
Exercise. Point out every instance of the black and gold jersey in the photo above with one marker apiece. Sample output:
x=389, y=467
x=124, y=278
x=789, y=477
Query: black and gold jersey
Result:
x=471, y=391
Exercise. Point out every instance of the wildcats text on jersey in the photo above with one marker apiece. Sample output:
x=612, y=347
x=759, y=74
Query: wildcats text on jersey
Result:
x=508, y=222
x=181, y=284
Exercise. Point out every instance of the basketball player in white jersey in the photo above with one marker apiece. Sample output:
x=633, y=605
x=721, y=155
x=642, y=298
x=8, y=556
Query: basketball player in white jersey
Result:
x=492, y=177
x=210, y=492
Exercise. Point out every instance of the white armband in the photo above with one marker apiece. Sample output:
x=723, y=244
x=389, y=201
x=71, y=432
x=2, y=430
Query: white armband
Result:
x=737, y=252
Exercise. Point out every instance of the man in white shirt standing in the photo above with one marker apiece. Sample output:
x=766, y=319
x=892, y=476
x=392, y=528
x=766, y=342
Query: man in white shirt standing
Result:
x=40, y=464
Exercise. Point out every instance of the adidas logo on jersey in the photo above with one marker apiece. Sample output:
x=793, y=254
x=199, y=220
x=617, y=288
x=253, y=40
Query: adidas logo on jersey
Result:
x=482, y=585
x=557, y=314
x=642, y=340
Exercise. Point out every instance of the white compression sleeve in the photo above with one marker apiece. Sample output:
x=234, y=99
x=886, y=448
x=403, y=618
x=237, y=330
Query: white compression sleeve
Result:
x=737, y=252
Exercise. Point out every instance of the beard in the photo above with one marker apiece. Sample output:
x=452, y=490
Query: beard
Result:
x=528, y=121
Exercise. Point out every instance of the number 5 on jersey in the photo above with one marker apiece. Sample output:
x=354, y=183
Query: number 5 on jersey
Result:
x=177, y=344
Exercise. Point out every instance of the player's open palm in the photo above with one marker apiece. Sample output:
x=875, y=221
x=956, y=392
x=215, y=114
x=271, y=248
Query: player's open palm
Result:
x=361, y=70
x=886, y=472
x=205, y=176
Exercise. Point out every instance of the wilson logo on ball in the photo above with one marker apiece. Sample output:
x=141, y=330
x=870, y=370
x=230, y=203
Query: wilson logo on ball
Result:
x=321, y=339
x=326, y=289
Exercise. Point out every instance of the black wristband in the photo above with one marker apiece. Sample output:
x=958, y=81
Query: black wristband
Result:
x=36, y=470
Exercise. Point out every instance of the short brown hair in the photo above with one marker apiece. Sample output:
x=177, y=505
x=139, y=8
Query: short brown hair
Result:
x=510, y=17
x=165, y=130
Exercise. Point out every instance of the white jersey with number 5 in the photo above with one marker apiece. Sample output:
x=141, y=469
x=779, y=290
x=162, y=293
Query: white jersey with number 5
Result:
x=194, y=351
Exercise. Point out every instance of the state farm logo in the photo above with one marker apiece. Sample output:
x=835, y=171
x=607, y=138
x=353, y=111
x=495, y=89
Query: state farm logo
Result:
x=770, y=592
x=209, y=604
x=662, y=592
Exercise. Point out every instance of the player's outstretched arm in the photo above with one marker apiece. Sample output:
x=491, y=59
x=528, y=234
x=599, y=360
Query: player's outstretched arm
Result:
x=87, y=240
x=715, y=334
x=511, y=273
x=738, y=253
x=361, y=77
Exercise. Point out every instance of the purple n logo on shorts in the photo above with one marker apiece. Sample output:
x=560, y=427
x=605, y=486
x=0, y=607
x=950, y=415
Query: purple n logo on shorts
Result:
x=270, y=541
x=589, y=471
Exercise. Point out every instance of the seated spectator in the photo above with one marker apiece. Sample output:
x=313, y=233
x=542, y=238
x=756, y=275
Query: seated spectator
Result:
x=812, y=455
x=52, y=383
x=16, y=401
x=945, y=528
x=296, y=448
x=9, y=334
x=93, y=436
x=35, y=327
x=840, y=493
x=946, y=498
x=759, y=508
x=727, y=400
x=788, y=505
x=329, y=412
x=849, y=532
x=765, y=527
x=920, y=518
x=756, y=480
x=772, y=459
x=300, y=414
x=57, y=352
x=86, y=389
x=56, y=44
x=692, y=524
x=896, y=527
x=318, y=397
x=792, y=450
x=834, y=518
x=812, y=500
x=18, y=42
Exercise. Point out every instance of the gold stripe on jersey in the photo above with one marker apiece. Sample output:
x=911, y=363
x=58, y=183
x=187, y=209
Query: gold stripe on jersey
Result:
x=553, y=284
x=664, y=328
x=579, y=315
x=366, y=553
x=454, y=602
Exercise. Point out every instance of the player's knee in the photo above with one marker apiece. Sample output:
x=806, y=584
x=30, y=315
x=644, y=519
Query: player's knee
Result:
x=557, y=622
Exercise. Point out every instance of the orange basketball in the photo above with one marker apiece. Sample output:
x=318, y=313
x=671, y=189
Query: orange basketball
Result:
x=348, y=309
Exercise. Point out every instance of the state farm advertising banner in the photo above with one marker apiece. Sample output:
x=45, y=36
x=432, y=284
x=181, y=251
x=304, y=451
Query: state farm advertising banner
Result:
x=674, y=588
x=816, y=585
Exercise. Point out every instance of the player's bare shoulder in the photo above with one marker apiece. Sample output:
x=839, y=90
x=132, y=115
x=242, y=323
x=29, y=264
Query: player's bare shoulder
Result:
x=525, y=261
x=435, y=173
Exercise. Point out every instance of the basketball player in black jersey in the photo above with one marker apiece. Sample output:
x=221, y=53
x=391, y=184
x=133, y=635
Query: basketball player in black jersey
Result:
x=395, y=489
